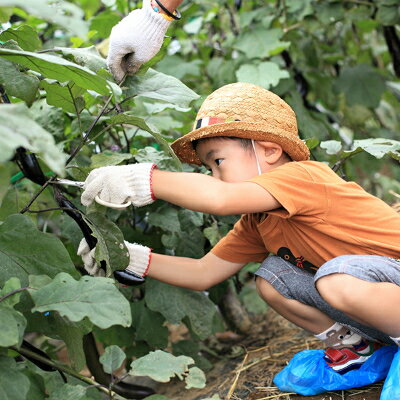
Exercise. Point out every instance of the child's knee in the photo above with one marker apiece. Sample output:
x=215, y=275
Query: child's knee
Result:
x=267, y=292
x=337, y=290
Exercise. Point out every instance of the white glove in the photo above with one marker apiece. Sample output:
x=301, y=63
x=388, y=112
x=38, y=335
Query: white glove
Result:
x=141, y=32
x=139, y=259
x=119, y=184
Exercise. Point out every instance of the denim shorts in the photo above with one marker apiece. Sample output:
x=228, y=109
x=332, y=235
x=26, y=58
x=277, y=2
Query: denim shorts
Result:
x=297, y=284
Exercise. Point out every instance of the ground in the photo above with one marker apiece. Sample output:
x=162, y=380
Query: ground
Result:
x=264, y=351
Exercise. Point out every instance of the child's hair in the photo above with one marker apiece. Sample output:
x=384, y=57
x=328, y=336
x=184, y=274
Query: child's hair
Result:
x=245, y=143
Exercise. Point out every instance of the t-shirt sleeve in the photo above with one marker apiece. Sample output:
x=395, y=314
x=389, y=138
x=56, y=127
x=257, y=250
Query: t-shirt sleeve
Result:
x=299, y=188
x=242, y=244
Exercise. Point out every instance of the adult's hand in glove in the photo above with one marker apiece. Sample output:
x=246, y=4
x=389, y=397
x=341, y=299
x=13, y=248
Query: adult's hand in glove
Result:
x=140, y=33
x=120, y=184
x=139, y=259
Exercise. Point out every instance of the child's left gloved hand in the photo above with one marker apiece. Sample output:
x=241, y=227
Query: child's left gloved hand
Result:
x=120, y=184
x=139, y=259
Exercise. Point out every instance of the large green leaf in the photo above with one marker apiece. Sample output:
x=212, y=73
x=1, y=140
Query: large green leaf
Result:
x=24, y=35
x=95, y=298
x=24, y=250
x=149, y=325
x=58, y=68
x=265, y=74
x=378, y=147
x=16, y=83
x=176, y=303
x=17, y=128
x=159, y=86
x=65, y=14
x=107, y=158
x=87, y=57
x=161, y=366
x=261, y=43
x=14, y=385
x=361, y=85
x=110, y=242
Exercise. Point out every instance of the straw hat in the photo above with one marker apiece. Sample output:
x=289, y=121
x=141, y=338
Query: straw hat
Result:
x=246, y=111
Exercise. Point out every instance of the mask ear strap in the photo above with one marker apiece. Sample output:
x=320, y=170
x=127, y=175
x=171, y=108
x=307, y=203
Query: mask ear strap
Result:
x=255, y=153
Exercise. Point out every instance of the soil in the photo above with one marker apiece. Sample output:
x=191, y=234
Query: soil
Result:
x=249, y=363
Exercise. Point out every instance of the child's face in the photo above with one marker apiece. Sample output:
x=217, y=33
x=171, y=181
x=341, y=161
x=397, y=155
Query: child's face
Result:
x=227, y=159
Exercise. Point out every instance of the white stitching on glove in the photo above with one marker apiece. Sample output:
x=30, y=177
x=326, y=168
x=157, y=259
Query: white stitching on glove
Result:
x=139, y=259
x=141, y=32
x=119, y=184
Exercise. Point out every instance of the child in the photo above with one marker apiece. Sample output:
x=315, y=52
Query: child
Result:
x=335, y=270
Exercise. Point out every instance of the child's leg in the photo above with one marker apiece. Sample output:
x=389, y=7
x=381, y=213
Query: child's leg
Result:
x=292, y=293
x=366, y=288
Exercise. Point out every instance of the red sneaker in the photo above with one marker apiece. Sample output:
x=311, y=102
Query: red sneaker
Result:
x=348, y=358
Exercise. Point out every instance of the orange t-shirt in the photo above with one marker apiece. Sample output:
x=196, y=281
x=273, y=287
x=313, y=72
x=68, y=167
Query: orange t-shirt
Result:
x=322, y=217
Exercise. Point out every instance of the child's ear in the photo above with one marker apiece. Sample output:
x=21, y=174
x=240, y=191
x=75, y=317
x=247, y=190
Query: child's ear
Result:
x=272, y=152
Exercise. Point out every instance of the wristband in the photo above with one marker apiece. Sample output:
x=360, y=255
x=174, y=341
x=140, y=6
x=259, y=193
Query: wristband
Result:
x=176, y=15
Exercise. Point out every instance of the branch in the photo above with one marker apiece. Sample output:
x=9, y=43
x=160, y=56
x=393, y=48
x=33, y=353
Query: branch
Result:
x=393, y=44
x=26, y=208
x=63, y=368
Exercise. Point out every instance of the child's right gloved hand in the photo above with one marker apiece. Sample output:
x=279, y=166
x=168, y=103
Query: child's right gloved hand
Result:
x=120, y=184
x=139, y=259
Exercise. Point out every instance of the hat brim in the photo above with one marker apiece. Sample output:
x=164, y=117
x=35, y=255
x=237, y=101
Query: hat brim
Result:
x=293, y=146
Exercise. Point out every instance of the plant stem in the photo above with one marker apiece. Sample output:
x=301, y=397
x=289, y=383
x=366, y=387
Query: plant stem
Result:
x=83, y=141
x=15, y=291
x=76, y=109
x=26, y=208
x=65, y=369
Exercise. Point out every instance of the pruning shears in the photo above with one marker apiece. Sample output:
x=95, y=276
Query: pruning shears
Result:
x=98, y=200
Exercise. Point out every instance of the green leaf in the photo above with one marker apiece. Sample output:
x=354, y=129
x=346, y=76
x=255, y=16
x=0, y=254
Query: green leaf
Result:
x=16, y=83
x=67, y=96
x=66, y=15
x=107, y=158
x=361, y=85
x=95, y=298
x=175, y=303
x=378, y=147
x=161, y=366
x=125, y=118
x=9, y=286
x=331, y=146
x=149, y=325
x=24, y=35
x=110, y=242
x=14, y=385
x=42, y=254
x=58, y=68
x=261, y=43
x=5, y=14
x=13, y=325
x=166, y=218
x=388, y=12
x=68, y=392
x=265, y=74
x=195, y=379
x=87, y=57
x=156, y=85
x=104, y=22
x=112, y=359
x=17, y=128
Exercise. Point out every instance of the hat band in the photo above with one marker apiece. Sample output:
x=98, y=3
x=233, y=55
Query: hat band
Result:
x=207, y=121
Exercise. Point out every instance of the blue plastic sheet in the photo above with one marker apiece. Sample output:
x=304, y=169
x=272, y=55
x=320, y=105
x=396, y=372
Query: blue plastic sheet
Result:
x=308, y=373
x=391, y=388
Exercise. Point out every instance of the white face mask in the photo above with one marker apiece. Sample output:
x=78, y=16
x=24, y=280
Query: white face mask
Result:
x=255, y=153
